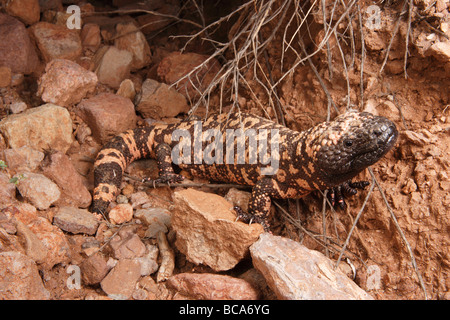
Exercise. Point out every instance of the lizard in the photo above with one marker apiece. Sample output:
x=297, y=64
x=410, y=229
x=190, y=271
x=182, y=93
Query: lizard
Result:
x=324, y=157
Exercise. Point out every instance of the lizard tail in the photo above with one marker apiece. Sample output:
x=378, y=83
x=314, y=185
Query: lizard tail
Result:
x=112, y=160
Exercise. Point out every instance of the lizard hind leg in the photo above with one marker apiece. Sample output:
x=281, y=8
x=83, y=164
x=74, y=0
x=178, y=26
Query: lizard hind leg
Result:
x=164, y=161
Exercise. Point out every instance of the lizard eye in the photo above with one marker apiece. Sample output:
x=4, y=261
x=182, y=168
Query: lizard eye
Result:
x=348, y=143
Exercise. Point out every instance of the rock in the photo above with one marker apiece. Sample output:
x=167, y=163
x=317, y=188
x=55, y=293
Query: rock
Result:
x=127, y=244
x=60, y=169
x=27, y=11
x=94, y=269
x=207, y=231
x=441, y=50
x=5, y=76
x=65, y=82
x=294, y=272
x=90, y=36
x=157, y=219
x=133, y=40
x=23, y=158
x=120, y=282
x=34, y=247
x=19, y=278
x=121, y=213
x=126, y=89
x=16, y=49
x=37, y=189
x=209, y=286
x=51, y=236
x=56, y=41
x=176, y=65
x=139, y=198
x=158, y=100
x=148, y=262
x=7, y=190
x=75, y=220
x=48, y=127
x=112, y=65
x=107, y=115
x=50, y=5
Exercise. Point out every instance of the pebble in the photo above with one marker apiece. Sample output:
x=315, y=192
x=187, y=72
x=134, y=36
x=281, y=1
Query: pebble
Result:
x=16, y=49
x=295, y=272
x=56, y=41
x=207, y=230
x=75, y=220
x=20, y=278
x=121, y=213
x=90, y=36
x=112, y=65
x=126, y=89
x=58, y=167
x=158, y=100
x=120, y=282
x=37, y=189
x=148, y=262
x=47, y=127
x=7, y=190
x=208, y=286
x=34, y=247
x=107, y=115
x=65, y=82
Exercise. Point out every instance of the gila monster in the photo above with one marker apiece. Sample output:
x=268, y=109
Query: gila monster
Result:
x=326, y=156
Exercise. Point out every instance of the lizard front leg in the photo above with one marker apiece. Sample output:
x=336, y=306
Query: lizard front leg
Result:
x=259, y=204
x=164, y=162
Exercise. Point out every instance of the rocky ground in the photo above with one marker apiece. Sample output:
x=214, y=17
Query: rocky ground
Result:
x=64, y=93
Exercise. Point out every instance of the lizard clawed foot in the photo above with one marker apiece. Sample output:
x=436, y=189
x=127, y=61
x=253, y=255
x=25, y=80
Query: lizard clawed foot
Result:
x=166, y=178
x=337, y=194
x=250, y=218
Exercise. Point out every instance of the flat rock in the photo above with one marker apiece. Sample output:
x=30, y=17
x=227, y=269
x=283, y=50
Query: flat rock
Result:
x=19, y=278
x=65, y=82
x=16, y=48
x=7, y=190
x=127, y=244
x=48, y=127
x=294, y=272
x=112, y=65
x=37, y=189
x=107, y=115
x=34, y=247
x=158, y=100
x=23, y=158
x=75, y=220
x=56, y=41
x=90, y=36
x=58, y=167
x=156, y=220
x=121, y=280
x=207, y=232
x=210, y=286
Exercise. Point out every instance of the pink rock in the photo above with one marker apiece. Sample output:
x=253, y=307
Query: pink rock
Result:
x=94, y=269
x=133, y=41
x=19, y=278
x=16, y=49
x=212, y=286
x=112, y=65
x=56, y=41
x=121, y=213
x=121, y=280
x=65, y=82
x=60, y=169
x=90, y=36
x=107, y=115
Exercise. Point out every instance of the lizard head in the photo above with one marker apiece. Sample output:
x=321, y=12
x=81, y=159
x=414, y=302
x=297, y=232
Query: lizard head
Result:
x=351, y=143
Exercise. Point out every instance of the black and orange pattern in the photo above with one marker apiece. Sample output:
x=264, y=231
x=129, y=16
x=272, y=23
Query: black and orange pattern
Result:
x=322, y=157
